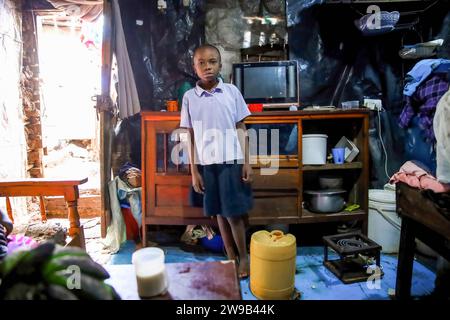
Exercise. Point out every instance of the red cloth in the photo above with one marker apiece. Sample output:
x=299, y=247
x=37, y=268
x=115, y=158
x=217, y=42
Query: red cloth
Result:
x=131, y=225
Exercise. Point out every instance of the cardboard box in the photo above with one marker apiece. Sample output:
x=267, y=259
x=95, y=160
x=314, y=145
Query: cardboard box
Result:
x=351, y=151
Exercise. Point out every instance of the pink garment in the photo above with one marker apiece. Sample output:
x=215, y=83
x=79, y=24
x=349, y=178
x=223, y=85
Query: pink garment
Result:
x=20, y=242
x=416, y=177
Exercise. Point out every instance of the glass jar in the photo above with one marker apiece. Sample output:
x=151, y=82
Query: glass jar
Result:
x=150, y=271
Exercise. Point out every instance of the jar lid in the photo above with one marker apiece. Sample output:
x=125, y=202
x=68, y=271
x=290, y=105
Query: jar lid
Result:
x=327, y=192
x=315, y=135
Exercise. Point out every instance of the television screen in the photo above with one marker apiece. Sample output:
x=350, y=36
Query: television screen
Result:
x=265, y=81
x=274, y=82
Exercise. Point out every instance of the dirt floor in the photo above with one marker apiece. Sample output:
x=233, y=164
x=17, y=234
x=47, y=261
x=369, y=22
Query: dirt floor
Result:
x=74, y=159
x=56, y=229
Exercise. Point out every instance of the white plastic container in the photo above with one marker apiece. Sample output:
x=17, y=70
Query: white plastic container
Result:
x=384, y=223
x=150, y=272
x=314, y=148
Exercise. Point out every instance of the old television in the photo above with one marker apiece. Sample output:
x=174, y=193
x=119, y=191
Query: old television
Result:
x=275, y=84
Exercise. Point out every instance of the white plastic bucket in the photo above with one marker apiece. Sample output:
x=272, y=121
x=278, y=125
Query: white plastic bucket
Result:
x=384, y=223
x=314, y=148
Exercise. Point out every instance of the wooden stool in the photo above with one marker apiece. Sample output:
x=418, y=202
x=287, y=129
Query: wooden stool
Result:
x=41, y=187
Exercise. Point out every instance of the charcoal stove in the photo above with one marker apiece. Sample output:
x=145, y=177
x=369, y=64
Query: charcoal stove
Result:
x=357, y=253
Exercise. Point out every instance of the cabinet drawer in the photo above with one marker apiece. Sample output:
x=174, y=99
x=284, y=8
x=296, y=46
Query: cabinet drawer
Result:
x=272, y=205
x=173, y=201
x=283, y=179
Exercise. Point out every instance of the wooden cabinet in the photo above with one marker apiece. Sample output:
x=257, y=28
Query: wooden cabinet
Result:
x=276, y=156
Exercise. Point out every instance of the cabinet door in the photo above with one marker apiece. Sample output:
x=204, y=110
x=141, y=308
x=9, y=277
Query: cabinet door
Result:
x=167, y=174
x=274, y=158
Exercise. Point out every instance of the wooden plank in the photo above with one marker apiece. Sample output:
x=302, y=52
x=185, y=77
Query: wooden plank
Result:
x=283, y=179
x=27, y=182
x=405, y=259
x=181, y=211
x=172, y=196
x=172, y=179
x=170, y=220
x=273, y=220
x=363, y=183
x=281, y=116
x=412, y=204
x=333, y=166
x=273, y=162
x=35, y=190
x=105, y=119
x=272, y=205
x=308, y=216
x=9, y=209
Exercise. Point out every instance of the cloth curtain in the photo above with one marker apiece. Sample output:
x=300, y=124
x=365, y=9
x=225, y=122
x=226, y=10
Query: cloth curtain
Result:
x=128, y=99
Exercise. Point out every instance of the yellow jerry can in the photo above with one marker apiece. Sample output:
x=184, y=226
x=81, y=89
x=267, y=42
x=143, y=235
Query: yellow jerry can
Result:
x=272, y=265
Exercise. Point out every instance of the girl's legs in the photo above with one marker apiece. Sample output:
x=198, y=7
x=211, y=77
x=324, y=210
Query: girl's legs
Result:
x=227, y=237
x=238, y=229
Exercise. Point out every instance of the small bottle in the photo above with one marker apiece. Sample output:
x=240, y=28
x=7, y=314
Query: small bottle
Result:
x=262, y=39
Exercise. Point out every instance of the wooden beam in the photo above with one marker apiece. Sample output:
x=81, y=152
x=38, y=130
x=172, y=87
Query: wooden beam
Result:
x=106, y=119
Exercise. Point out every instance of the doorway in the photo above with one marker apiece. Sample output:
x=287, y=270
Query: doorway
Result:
x=70, y=74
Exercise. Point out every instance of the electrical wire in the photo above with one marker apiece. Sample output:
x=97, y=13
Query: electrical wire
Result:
x=382, y=144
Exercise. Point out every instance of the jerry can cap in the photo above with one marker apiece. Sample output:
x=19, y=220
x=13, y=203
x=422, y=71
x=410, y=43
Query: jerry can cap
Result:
x=275, y=238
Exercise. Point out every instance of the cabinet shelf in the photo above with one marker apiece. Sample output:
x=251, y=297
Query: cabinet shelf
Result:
x=333, y=166
x=278, y=194
x=308, y=216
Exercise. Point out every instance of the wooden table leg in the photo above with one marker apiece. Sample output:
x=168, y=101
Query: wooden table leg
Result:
x=9, y=209
x=144, y=235
x=364, y=226
x=405, y=260
x=75, y=230
x=42, y=207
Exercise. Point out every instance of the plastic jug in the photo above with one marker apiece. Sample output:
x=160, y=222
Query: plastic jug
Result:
x=272, y=265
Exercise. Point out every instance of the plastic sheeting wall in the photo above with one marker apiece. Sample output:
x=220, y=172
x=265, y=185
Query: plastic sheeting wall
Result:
x=338, y=63
x=160, y=43
x=12, y=136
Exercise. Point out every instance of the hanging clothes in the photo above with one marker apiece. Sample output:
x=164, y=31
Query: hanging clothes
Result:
x=423, y=103
x=419, y=73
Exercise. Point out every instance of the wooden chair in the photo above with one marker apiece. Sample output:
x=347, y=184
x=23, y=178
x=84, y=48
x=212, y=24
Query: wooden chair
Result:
x=40, y=187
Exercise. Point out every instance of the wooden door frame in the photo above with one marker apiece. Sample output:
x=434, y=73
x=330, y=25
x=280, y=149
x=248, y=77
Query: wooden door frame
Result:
x=106, y=117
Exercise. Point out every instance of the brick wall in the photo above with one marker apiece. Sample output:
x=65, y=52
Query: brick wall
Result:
x=31, y=97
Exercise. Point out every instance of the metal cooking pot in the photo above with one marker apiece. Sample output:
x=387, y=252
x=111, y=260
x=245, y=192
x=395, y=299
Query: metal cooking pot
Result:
x=325, y=201
x=330, y=182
